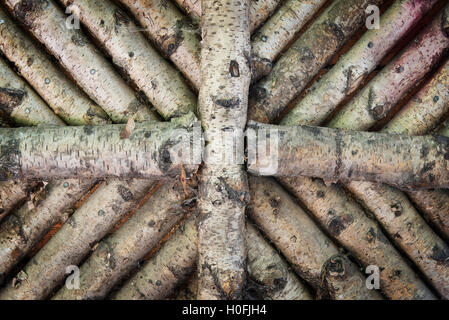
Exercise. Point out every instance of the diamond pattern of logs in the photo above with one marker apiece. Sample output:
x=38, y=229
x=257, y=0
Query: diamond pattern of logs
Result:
x=98, y=199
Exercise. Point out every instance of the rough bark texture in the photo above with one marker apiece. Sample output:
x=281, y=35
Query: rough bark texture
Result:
x=341, y=280
x=377, y=98
x=119, y=253
x=277, y=32
x=63, y=97
x=21, y=103
x=349, y=224
x=223, y=190
x=353, y=67
x=172, y=33
x=269, y=276
x=25, y=227
x=169, y=268
x=306, y=57
x=337, y=155
x=117, y=33
x=259, y=10
x=291, y=230
x=153, y=149
x=78, y=56
x=418, y=117
x=76, y=238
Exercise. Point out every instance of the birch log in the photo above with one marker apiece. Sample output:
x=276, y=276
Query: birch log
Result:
x=19, y=102
x=174, y=263
x=353, y=67
x=171, y=32
x=278, y=31
x=119, y=253
x=259, y=10
x=337, y=155
x=377, y=98
x=78, y=56
x=152, y=150
x=118, y=35
x=341, y=280
x=63, y=97
x=223, y=190
x=302, y=61
x=296, y=235
x=418, y=117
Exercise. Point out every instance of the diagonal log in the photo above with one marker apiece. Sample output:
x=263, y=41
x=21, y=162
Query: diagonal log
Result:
x=90, y=70
x=171, y=32
x=296, y=235
x=119, y=253
x=119, y=36
x=176, y=260
x=354, y=66
x=303, y=60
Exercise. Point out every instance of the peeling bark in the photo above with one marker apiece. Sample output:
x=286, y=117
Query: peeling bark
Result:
x=277, y=32
x=91, y=71
x=172, y=33
x=223, y=190
x=153, y=150
x=120, y=252
x=117, y=33
x=306, y=57
x=377, y=98
x=337, y=155
x=353, y=67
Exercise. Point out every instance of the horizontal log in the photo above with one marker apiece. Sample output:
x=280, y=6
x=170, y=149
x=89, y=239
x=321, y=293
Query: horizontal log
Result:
x=406, y=162
x=152, y=150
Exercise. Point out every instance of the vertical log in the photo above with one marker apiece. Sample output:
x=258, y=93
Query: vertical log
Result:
x=223, y=191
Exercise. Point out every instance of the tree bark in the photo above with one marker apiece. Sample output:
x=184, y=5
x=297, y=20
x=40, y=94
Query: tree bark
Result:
x=259, y=10
x=130, y=51
x=341, y=280
x=119, y=253
x=302, y=61
x=377, y=98
x=223, y=190
x=354, y=66
x=278, y=31
x=171, y=32
x=296, y=235
x=336, y=155
x=19, y=102
x=418, y=117
x=152, y=150
x=78, y=56
x=174, y=263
